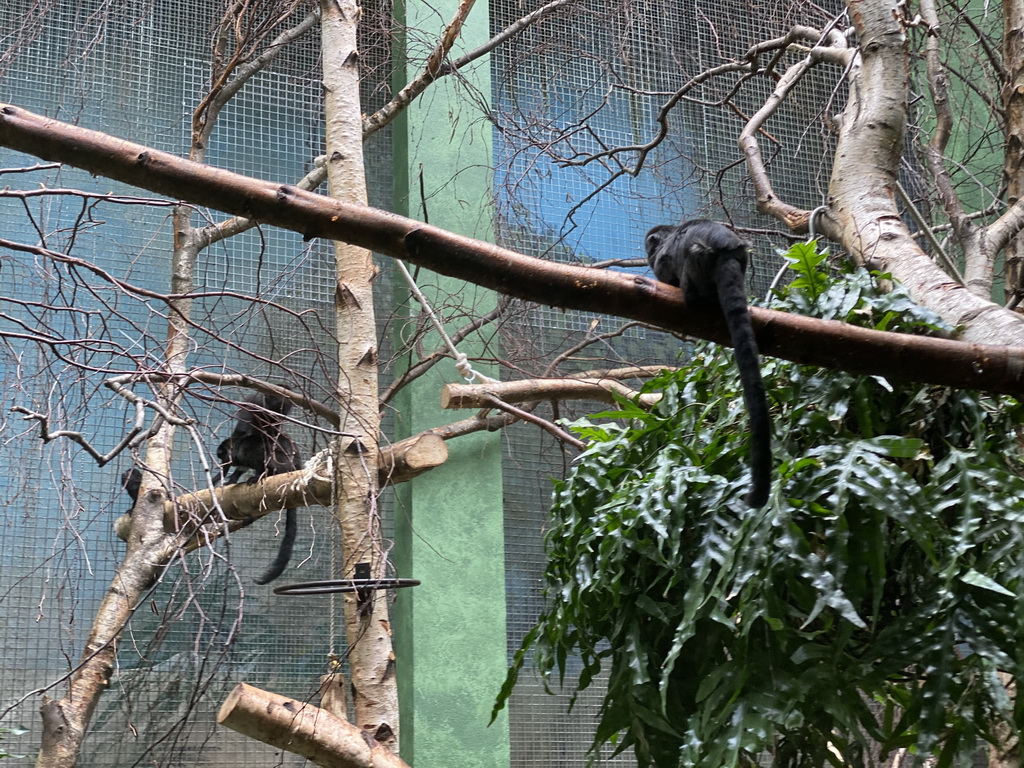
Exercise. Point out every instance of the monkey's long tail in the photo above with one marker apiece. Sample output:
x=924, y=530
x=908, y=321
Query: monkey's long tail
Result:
x=733, y=300
x=284, y=552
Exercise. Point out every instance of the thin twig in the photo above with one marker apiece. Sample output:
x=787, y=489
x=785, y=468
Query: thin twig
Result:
x=544, y=424
x=76, y=437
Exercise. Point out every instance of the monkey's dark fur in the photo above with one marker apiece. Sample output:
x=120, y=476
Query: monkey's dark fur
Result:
x=258, y=443
x=131, y=481
x=708, y=261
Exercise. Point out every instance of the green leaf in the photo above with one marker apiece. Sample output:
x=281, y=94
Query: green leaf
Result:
x=976, y=579
x=895, y=446
x=806, y=261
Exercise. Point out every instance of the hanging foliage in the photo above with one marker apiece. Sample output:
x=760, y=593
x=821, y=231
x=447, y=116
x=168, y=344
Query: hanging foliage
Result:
x=869, y=604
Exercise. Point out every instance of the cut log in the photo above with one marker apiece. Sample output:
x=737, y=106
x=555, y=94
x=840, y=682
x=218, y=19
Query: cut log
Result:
x=302, y=729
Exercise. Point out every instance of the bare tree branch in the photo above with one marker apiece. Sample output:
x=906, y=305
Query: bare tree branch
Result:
x=863, y=216
x=432, y=359
x=101, y=458
x=540, y=390
x=830, y=344
x=767, y=201
x=244, y=502
x=249, y=27
x=438, y=65
x=506, y=34
x=300, y=727
x=233, y=380
x=559, y=434
x=938, y=83
x=432, y=70
x=583, y=344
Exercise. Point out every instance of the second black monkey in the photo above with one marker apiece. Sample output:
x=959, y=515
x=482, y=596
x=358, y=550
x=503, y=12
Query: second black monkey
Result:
x=259, y=443
x=708, y=261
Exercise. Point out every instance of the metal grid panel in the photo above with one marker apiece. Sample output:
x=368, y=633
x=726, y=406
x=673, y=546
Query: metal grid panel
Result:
x=585, y=80
x=594, y=77
x=58, y=539
x=132, y=71
x=543, y=731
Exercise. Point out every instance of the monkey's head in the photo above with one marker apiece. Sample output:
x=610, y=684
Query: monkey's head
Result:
x=131, y=481
x=656, y=237
x=264, y=401
x=659, y=244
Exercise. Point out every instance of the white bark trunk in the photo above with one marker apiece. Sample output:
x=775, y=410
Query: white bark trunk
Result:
x=370, y=652
x=863, y=215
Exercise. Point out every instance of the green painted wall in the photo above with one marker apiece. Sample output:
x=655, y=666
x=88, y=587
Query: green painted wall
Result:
x=449, y=632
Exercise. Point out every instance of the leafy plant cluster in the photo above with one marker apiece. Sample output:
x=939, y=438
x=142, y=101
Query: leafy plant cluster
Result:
x=873, y=601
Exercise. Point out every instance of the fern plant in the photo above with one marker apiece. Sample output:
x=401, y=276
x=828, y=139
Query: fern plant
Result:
x=869, y=606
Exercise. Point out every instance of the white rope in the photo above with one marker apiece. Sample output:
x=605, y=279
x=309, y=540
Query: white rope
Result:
x=462, y=364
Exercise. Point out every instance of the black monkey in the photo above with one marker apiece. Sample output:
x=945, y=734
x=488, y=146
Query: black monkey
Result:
x=131, y=481
x=258, y=443
x=708, y=261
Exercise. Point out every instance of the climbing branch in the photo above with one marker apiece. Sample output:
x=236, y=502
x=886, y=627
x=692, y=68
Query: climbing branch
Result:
x=994, y=367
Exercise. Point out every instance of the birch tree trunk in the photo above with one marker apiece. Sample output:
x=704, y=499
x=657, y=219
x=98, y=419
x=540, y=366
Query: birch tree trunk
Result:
x=863, y=213
x=355, y=482
x=66, y=721
x=1013, y=133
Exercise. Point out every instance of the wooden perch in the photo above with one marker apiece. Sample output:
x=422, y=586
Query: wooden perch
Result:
x=398, y=463
x=804, y=340
x=303, y=729
x=537, y=390
x=408, y=458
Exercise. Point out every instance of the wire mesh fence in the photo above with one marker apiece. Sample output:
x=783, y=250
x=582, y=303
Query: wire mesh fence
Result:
x=590, y=78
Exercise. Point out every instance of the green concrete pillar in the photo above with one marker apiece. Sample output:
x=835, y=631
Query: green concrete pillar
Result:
x=450, y=631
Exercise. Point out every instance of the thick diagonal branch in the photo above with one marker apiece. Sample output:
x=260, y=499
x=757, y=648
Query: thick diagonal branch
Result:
x=992, y=367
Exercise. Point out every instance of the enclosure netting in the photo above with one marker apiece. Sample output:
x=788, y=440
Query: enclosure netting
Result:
x=136, y=70
x=592, y=76
x=592, y=79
